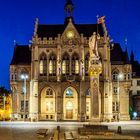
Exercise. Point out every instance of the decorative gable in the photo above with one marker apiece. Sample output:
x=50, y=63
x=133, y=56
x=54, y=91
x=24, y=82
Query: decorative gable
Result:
x=70, y=36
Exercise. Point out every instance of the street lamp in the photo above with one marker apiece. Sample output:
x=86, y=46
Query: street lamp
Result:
x=24, y=77
x=119, y=78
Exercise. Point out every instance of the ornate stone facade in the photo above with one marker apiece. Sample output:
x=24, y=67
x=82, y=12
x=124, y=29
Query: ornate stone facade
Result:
x=64, y=81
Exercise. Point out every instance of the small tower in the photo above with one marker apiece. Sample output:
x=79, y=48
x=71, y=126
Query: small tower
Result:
x=69, y=7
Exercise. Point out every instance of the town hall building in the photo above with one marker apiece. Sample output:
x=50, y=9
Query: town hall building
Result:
x=70, y=72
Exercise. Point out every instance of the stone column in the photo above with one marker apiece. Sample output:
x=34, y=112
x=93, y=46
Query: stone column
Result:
x=95, y=68
x=94, y=71
x=33, y=100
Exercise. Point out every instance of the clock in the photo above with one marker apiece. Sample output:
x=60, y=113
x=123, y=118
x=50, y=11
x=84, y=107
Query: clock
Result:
x=70, y=34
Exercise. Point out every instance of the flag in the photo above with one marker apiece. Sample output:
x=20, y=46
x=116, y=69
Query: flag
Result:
x=101, y=20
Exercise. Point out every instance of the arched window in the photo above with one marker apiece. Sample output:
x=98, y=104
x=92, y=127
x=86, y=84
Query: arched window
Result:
x=43, y=65
x=86, y=64
x=65, y=64
x=114, y=75
x=75, y=64
x=49, y=92
x=52, y=65
x=69, y=92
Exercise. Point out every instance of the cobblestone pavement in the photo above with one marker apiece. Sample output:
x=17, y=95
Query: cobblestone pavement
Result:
x=27, y=130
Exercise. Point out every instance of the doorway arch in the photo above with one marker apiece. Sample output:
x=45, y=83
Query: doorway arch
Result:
x=70, y=104
x=48, y=108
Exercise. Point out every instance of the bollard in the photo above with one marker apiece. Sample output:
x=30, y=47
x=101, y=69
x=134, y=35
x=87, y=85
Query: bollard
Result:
x=119, y=131
x=58, y=128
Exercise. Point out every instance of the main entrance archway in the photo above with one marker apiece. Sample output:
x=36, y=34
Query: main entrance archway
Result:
x=70, y=104
x=48, y=104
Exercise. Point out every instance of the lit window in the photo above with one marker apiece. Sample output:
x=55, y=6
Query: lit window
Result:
x=69, y=92
x=50, y=67
x=76, y=67
x=75, y=64
x=64, y=67
x=43, y=65
x=65, y=64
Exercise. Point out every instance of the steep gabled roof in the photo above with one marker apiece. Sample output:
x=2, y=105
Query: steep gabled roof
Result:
x=118, y=56
x=54, y=30
x=22, y=55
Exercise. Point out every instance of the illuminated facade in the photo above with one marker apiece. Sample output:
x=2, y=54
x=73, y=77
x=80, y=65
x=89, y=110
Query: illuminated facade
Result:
x=61, y=85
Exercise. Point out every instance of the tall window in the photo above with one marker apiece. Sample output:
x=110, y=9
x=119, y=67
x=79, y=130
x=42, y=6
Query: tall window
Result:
x=22, y=106
x=14, y=76
x=52, y=65
x=115, y=106
x=86, y=63
x=43, y=65
x=75, y=64
x=65, y=64
x=115, y=75
x=115, y=89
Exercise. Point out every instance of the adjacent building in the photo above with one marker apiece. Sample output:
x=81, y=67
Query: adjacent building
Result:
x=60, y=85
x=135, y=86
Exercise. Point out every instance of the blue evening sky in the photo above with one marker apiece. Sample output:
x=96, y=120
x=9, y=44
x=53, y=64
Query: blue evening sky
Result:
x=17, y=19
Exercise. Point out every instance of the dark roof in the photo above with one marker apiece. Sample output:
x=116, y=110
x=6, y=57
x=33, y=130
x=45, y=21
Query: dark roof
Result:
x=135, y=69
x=118, y=56
x=54, y=30
x=22, y=55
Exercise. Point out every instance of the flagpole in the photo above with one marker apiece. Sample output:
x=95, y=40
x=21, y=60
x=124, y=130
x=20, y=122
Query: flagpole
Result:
x=97, y=23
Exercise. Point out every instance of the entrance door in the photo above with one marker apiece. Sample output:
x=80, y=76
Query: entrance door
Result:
x=69, y=110
x=69, y=114
x=70, y=104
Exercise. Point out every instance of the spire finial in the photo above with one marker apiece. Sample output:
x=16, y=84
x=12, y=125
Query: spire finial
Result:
x=126, y=41
x=69, y=8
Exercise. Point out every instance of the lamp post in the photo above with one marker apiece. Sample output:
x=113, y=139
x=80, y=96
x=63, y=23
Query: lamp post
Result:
x=119, y=78
x=24, y=77
x=4, y=105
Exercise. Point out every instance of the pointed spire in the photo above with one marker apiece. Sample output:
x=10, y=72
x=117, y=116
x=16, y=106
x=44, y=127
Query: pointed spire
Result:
x=126, y=56
x=132, y=56
x=36, y=26
x=69, y=7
